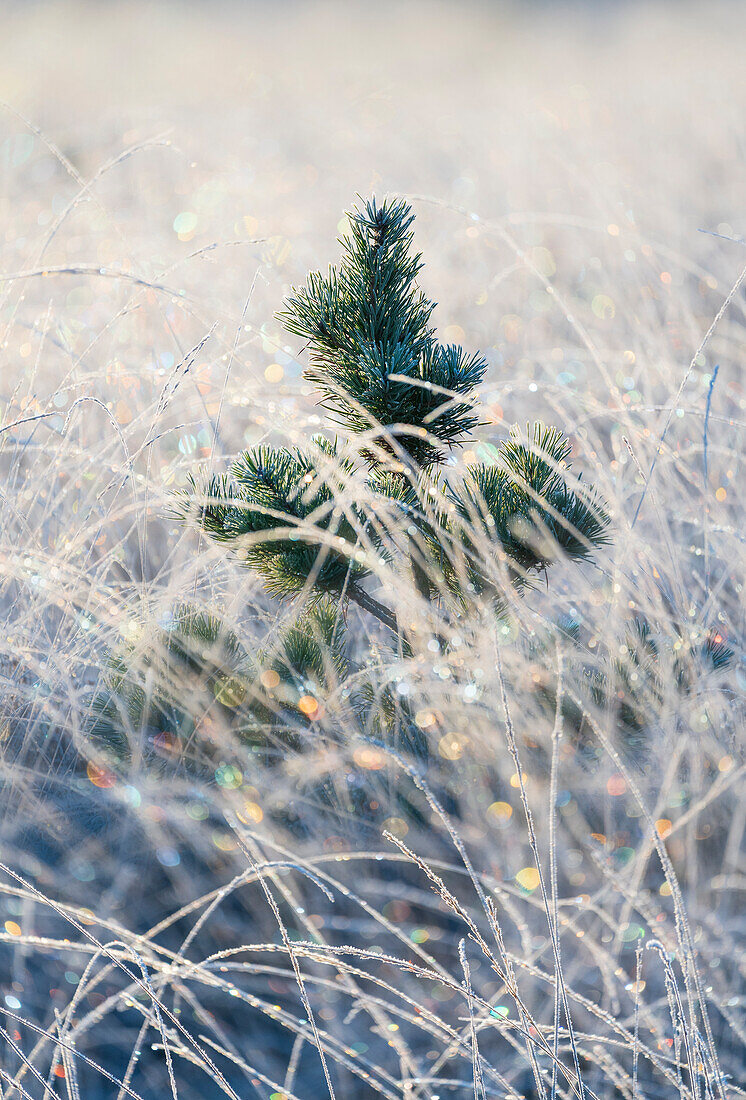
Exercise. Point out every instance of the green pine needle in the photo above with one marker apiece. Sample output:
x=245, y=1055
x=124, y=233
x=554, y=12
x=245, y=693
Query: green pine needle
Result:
x=373, y=354
x=278, y=508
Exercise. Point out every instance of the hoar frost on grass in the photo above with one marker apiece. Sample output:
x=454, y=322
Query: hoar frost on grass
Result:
x=555, y=894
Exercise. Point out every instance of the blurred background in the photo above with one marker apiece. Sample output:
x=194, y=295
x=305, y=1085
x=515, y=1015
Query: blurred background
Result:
x=215, y=124
x=290, y=108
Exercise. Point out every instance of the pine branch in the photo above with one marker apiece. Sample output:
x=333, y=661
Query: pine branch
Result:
x=524, y=504
x=372, y=606
x=286, y=499
x=373, y=354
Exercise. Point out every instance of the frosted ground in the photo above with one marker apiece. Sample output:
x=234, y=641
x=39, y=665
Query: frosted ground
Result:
x=578, y=175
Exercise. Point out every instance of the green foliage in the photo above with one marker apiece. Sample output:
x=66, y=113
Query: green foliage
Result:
x=373, y=354
x=381, y=372
x=312, y=652
x=278, y=510
x=289, y=514
x=195, y=680
x=525, y=504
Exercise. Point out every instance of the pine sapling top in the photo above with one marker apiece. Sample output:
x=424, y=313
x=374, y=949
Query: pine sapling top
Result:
x=385, y=379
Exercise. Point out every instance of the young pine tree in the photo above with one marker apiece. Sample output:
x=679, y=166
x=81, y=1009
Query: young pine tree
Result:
x=322, y=524
x=405, y=402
